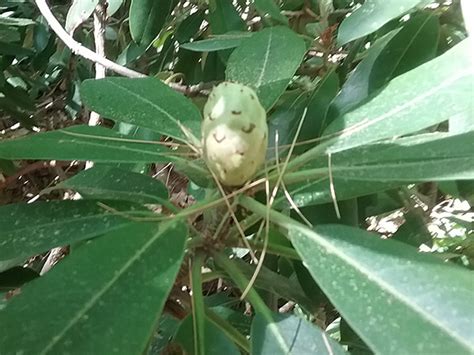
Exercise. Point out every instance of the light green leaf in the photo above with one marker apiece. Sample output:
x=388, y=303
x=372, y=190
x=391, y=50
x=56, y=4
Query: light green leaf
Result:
x=270, y=8
x=112, y=292
x=379, y=12
x=217, y=43
x=402, y=108
x=143, y=102
x=299, y=336
x=117, y=184
x=267, y=62
x=147, y=17
x=26, y=229
x=395, y=290
x=83, y=143
x=79, y=12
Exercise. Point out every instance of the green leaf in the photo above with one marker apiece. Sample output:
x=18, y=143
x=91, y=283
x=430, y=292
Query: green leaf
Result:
x=117, y=184
x=392, y=55
x=27, y=229
x=143, y=102
x=83, y=143
x=112, y=292
x=290, y=335
x=267, y=62
x=435, y=156
x=275, y=283
x=425, y=302
x=425, y=157
x=217, y=43
x=270, y=8
x=223, y=17
x=402, y=108
x=12, y=21
x=79, y=12
x=215, y=339
x=190, y=26
x=378, y=11
x=147, y=18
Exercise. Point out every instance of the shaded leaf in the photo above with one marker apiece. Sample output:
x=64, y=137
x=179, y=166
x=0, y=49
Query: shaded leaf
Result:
x=147, y=17
x=216, y=342
x=79, y=12
x=270, y=8
x=290, y=335
x=217, y=43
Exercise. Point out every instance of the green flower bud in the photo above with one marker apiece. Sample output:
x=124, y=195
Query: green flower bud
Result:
x=234, y=132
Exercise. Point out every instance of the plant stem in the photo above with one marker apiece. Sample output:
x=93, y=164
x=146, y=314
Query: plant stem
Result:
x=241, y=281
x=254, y=298
x=279, y=250
x=229, y=330
x=260, y=209
x=199, y=318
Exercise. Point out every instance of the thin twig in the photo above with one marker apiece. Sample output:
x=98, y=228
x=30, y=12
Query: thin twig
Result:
x=78, y=48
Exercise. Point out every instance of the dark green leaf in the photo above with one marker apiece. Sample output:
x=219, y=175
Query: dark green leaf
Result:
x=117, y=184
x=83, y=143
x=378, y=11
x=112, y=292
x=147, y=17
x=217, y=43
x=402, y=108
x=26, y=229
x=392, y=55
x=267, y=62
x=270, y=8
x=216, y=341
x=223, y=17
x=290, y=335
x=143, y=102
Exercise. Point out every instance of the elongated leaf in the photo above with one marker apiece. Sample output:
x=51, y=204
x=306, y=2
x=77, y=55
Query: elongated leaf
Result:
x=270, y=8
x=143, y=102
x=275, y=283
x=299, y=336
x=26, y=229
x=83, y=143
x=217, y=43
x=117, y=184
x=79, y=12
x=392, y=55
x=378, y=11
x=318, y=192
x=147, y=17
x=216, y=342
x=436, y=156
x=395, y=290
x=402, y=108
x=112, y=292
x=223, y=17
x=267, y=61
